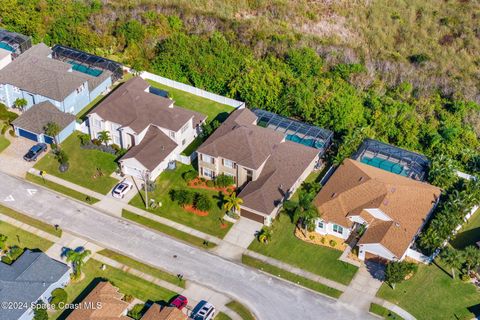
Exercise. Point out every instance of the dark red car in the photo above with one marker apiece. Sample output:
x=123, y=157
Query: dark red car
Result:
x=179, y=302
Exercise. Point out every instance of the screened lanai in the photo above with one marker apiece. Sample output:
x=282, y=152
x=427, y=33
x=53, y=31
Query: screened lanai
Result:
x=14, y=42
x=295, y=131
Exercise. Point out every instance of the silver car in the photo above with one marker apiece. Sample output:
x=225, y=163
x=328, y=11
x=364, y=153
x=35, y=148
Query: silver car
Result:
x=204, y=311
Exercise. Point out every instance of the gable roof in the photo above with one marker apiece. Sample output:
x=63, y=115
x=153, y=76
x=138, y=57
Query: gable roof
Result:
x=26, y=279
x=110, y=299
x=35, y=72
x=156, y=312
x=133, y=106
x=355, y=186
x=38, y=116
x=153, y=149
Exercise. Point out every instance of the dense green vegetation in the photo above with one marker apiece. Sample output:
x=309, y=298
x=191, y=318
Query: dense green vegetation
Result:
x=381, y=69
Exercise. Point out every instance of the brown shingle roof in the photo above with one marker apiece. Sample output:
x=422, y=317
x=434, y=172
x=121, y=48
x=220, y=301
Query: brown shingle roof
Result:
x=356, y=186
x=36, y=118
x=112, y=305
x=153, y=149
x=167, y=313
x=131, y=105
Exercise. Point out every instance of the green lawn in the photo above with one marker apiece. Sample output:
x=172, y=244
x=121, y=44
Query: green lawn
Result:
x=241, y=310
x=321, y=260
x=278, y=272
x=83, y=166
x=62, y=189
x=30, y=221
x=469, y=234
x=157, y=273
x=169, y=180
x=4, y=143
x=433, y=294
x=212, y=109
x=199, y=242
x=222, y=316
x=383, y=312
x=22, y=238
x=127, y=283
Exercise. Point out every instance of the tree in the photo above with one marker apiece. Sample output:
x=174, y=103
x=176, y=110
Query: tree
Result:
x=223, y=180
x=104, y=137
x=202, y=202
x=183, y=197
x=302, y=211
x=471, y=255
x=265, y=235
x=52, y=129
x=40, y=311
x=442, y=172
x=77, y=258
x=232, y=202
x=396, y=272
x=62, y=158
x=59, y=295
x=20, y=103
x=453, y=258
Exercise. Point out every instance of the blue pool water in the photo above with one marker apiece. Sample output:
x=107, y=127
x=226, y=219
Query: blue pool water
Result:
x=84, y=69
x=5, y=46
x=385, y=165
x=305, y=141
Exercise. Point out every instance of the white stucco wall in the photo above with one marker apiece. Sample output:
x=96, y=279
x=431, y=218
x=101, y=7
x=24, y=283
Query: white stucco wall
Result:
x=328, y=229
x=376, y=249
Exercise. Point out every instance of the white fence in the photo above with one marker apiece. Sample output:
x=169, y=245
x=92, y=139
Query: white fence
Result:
x=418, y=256
x=83, y=127
x=190, y=89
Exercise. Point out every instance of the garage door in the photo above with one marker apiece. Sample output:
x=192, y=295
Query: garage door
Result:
x=252, y=216
x=48, y=139
x=370, y=257
x=27, y=134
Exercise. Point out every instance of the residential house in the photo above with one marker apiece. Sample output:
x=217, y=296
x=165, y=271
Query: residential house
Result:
x=5, y=58
x=14, y=43
x=385, y=209
x=156, y=312
x=153, y=129
x=31, y=124
x=103, y=302
x=264, y=165
x=36, y=77
x=32, y=277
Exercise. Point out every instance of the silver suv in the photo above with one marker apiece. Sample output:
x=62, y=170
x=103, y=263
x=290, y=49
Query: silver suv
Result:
x=204, y=311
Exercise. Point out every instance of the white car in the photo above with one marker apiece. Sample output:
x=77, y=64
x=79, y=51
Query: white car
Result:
x=205, y=311
x=121, y=189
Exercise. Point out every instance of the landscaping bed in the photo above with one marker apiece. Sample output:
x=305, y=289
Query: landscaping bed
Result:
x=88, y=168
x=169, y=180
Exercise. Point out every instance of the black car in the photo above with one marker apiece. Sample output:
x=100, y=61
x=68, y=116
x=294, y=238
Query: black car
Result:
x=34, y=151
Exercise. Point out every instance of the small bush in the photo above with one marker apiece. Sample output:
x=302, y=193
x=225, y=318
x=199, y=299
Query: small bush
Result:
x=465, y=277
x=59, y=295
x=224, y=181
x=61, y=157
x=182, y=197
x=189, y=175
x=137, y=311
x=97, y=142
x=322, y=240
x=203, y=179
x=332, y=243
x=4, y=129
x=115, y=147
x=84, y=139
x=128, y=298
x=6, y=259
x=210, y=183
x=202, y=202
x=7, y=115
x=11, y=132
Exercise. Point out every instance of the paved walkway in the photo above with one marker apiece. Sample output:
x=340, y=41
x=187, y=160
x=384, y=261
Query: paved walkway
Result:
x=238, y=239
x=361, y=290
x=392, y=307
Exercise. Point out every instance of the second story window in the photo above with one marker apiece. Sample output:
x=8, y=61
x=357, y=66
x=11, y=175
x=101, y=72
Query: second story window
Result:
x=97, y=123
x=208, y=159
x=228, y=163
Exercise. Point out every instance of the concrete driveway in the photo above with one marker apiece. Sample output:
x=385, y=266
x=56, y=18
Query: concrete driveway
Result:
x=268, y=297
x=11, y=159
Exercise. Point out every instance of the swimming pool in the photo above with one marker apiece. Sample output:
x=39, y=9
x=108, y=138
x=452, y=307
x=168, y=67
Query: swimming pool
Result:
x=84, y=69
x=305, y=141
x=6, y=46
x=385, y=165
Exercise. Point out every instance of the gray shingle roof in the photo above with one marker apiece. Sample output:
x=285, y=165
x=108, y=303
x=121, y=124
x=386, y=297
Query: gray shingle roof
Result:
x=35, y=72
x=27, y=279
x=36, y=118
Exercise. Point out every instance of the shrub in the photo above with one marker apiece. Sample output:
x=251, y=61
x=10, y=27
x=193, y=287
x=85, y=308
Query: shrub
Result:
x=332, y=243
x=4, y=129
x=182, y=197
x=11, y=132
x=61, y=157
x=7, y=115
x=115, y=147
x=6, y=260
x=210, y=183
x=84, y=139
x=136, y=311
x=224, y=181
x=189, y=175
x=128, y=298
x=322, y=240
x=97, y=142
x=396, y=272
x=59, y=295
x=202, y=202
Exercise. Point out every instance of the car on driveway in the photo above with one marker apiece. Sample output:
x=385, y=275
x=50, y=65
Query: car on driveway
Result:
x=35, y=151
x=179, y=302
x=121, y=189
x=203, y=311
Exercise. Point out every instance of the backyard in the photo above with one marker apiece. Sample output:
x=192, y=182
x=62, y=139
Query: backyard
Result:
x=127, y=283
x=85, y=166
x=432, y=294
x=469, y=234
x=173, y=179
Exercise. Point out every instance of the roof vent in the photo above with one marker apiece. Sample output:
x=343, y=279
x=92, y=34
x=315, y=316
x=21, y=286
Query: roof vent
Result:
x=334, y=194
x=397, y=224
x=361, y=179
x=163, y=147
x=385, y=202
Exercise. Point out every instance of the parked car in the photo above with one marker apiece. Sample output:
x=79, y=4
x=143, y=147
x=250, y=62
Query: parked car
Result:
x=35, y=151
x=179, y=302
x=203, y=311
x=121, y=189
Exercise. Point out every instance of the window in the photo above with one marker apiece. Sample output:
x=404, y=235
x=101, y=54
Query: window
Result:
x=97, y=123
x=172, y=134
x=320, y=225
x=208, y=173
x=337, y=229
x=228, y=163
x=116, y=140
x=249, y=174
x=208, y=159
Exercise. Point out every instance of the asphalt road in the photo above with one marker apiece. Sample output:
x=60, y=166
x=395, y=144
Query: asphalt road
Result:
x=268, y=297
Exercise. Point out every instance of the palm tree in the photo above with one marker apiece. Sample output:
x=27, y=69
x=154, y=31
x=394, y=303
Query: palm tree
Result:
x=77, y=258
x=453, y=258
x=265, y=235
x=232, y=202
x=302, y=211
x=52, y=129
x=471, y=255
x=20, y=103
x=104, y=137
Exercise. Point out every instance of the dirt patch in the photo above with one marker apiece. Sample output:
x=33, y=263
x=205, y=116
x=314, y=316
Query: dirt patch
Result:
x=328, y=241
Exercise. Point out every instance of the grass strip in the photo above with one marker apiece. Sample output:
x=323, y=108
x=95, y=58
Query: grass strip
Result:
x=196, y=241
x=22, y=238
x=278, y=272
x=62, y=189
x=383, y=312
x=30, y=221
x=155, y=272
x=241, y=310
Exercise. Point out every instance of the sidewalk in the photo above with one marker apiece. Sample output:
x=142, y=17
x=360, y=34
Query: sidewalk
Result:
x=392, y=307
